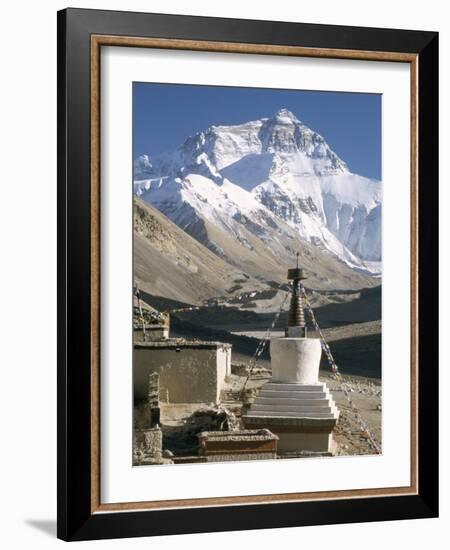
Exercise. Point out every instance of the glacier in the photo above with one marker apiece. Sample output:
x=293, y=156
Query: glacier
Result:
x=273, y=177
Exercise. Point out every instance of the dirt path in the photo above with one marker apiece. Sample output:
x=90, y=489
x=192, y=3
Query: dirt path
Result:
x=366, y=395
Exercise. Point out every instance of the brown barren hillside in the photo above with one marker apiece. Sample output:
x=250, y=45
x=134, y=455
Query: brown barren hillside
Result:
x=170, y=263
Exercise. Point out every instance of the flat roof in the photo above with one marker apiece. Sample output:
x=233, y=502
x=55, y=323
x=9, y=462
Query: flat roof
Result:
x=181, y=343
x=262, y=434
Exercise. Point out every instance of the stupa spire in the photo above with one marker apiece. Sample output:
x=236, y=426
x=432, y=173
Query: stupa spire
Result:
x=296, y=325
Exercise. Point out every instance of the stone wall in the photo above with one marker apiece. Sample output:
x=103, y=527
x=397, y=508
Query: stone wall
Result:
x=152, y=332
x=189, y=372
x=223, y=446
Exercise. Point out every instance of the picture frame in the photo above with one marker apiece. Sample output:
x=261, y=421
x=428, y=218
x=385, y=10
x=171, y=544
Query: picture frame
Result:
x=81, y=36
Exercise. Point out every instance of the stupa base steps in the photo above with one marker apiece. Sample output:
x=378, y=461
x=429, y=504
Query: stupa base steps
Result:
x=302, y=416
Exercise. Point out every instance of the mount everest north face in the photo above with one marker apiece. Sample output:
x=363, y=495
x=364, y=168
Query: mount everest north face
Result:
x=271, y=183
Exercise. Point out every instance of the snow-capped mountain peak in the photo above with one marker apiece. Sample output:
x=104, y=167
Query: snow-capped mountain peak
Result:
x=285, y=116
x=274, y=171
x=142, y=167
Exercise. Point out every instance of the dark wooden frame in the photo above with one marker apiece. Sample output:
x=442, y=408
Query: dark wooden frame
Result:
x=81, y=33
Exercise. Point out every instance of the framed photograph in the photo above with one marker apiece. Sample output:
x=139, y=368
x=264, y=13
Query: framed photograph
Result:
x=247, y=251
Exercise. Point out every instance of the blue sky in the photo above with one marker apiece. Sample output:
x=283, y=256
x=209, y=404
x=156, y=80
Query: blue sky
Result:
x=164, y=115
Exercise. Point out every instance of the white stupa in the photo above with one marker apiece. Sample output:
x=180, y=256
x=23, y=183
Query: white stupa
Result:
x=294, y=405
